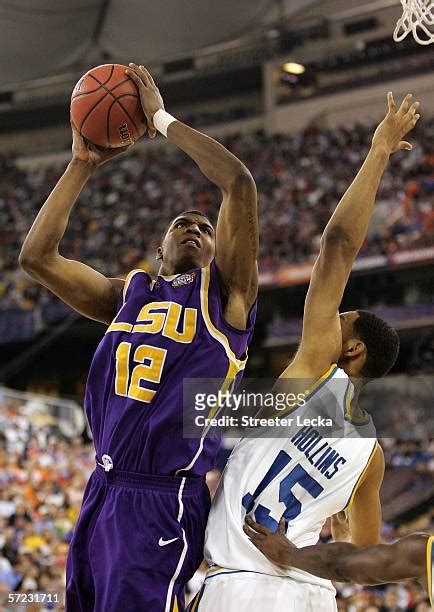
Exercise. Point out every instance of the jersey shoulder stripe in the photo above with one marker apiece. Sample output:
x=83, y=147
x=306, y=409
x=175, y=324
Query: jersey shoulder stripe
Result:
x=357, y=420
x=316, y=386
x=217, y=334
x=128, y=280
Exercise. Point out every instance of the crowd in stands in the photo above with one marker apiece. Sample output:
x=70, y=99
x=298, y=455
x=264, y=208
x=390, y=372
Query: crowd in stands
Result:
x=127, y=205
x=42, y=480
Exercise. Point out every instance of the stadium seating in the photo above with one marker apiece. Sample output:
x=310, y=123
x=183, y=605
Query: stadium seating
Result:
x=127, y=205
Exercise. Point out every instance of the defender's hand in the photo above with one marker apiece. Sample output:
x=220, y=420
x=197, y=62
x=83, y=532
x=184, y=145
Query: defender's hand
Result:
x=88, y=154
x=150, y=96
x=396, y=125
x=275, y=546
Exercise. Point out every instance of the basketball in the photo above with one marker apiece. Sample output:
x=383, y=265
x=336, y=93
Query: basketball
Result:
x=106, y=109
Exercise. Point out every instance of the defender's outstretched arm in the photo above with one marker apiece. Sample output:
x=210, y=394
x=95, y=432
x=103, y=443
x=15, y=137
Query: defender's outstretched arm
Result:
x=343, y=562
x=237, y=227
x=341, y=242
x=321, y=341
x=78, y=285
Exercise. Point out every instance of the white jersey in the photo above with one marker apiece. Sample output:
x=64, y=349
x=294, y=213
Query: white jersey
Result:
x=298, y=474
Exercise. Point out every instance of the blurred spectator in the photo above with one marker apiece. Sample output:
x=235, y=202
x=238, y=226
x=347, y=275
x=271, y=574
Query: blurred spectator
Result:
x=392, y=601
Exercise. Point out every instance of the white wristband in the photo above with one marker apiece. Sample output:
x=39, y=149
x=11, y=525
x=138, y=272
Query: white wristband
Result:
x=162, y=120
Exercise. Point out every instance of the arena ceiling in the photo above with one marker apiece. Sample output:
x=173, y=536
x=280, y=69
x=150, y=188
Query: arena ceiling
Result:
x=41, y=38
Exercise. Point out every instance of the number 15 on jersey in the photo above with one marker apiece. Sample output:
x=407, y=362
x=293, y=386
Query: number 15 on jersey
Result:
x=297, y=475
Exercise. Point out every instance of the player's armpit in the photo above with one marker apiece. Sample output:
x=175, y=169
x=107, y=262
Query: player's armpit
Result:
x=364, y=510
x=80, y=286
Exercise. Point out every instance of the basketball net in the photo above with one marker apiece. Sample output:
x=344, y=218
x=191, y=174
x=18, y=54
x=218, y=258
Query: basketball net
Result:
x=418, y=18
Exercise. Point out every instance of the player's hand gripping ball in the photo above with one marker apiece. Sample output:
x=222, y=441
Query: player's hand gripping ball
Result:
x=106, y=108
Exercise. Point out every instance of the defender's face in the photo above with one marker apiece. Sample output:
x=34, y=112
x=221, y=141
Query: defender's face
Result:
x=347, y=320
x=189, y=243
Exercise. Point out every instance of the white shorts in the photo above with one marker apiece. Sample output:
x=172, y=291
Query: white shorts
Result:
x=250, y=592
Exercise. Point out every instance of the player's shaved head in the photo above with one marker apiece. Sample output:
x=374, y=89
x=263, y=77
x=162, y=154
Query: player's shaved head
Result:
x=194, y=212
x=185, y=213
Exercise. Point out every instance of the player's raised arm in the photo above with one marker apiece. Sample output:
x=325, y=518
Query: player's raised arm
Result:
x=237, y=226
x=341, y=242
x=343, y=562
x=78, y=285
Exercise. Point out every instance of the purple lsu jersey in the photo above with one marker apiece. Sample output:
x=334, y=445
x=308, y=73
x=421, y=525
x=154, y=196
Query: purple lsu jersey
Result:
x=164, y=331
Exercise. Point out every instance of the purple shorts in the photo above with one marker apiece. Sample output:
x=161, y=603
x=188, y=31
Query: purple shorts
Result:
x=137, y=542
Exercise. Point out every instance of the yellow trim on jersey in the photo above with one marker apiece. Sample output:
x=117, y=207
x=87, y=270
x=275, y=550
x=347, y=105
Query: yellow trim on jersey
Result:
x=175, y=605
x=311, y=389
x=128, y=280
x=195, y=601
x=126, y=327
x=215, y=333
x=122, y=326
x=235, y=365
x=119, y=326
x=360, y=478
x=233, y=370
x=430, y=569
x=363, y=419
x=214, y=570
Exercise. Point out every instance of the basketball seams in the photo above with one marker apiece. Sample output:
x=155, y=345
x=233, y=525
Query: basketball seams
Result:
x=108, y=121
x=105, y=82
x=112, y=92
x=126, y=95
x=110, y=75
x=103, y=85
x=126, y=112
x=116, y=98
x=121, y=83
x=100, y=84
x=85, y=93
x=86, y=117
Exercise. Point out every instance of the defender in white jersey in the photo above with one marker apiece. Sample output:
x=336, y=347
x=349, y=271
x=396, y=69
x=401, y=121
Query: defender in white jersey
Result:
x=303, y=476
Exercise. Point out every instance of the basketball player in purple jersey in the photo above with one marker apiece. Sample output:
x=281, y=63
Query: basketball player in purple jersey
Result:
x=139, y=536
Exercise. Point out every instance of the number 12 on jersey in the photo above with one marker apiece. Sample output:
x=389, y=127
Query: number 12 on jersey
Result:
x=150, y=366
x=297, y=475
